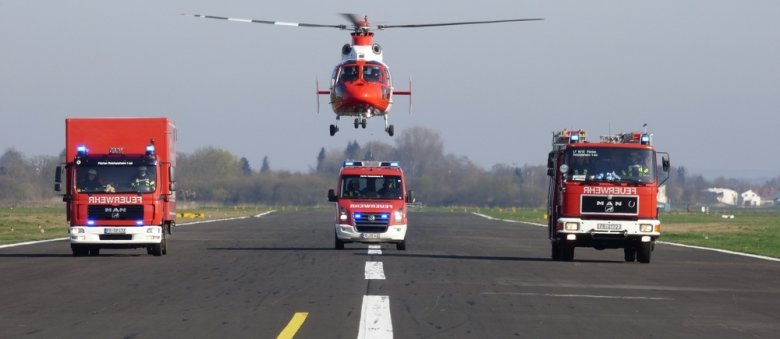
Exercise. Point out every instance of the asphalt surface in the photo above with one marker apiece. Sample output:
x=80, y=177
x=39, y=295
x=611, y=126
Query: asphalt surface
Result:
x=461, y=276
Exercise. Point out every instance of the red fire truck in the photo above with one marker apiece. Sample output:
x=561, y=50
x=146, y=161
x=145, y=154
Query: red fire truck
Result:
x=604, y=194
x=371, y=203
x=119, y=183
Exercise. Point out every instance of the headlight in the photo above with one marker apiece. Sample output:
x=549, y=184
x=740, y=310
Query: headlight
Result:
x=571, y=226
x=343, y=216
x=399, y=215
x=645, y=228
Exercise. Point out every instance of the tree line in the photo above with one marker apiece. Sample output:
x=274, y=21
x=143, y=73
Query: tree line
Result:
x=213, y=175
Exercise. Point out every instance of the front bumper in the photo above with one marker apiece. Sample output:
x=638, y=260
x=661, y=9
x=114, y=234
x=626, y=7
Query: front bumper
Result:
x=115, y=235
x=608, y=233
x=348, y=233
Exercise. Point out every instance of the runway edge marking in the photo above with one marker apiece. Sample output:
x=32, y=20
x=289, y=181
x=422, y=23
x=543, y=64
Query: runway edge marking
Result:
x=755, y=256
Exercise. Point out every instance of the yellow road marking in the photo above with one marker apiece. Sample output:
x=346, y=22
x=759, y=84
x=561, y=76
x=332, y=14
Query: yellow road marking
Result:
x=292, y=327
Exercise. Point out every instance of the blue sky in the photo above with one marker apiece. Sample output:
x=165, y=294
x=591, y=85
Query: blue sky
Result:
x=704, y=75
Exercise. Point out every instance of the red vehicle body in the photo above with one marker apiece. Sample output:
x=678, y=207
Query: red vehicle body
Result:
x=371, y=203
x=604, y=194
x=119, y=183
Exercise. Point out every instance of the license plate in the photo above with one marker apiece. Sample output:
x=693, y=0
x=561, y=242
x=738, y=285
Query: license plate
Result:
x=369, y=235
x=610, y=227
x=114, y=230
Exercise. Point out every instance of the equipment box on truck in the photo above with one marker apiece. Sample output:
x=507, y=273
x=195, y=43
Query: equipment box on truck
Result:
x=371, y=203
x=119, y=183
x=604, y=194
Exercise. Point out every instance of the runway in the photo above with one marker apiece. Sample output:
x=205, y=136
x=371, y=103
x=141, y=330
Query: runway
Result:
x=461, y=276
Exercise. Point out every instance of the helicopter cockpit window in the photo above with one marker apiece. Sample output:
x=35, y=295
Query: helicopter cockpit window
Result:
x=372, y=73
x=349, y=73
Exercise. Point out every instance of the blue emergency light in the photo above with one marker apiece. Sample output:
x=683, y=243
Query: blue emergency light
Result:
x=139, y=222
x=384, y=216
x=353, y=163
x=90, y=222
x=81, y=150
x=574, y=138
x=390, y=163
x=149, y=149
x=644, y=139
x=358, y=216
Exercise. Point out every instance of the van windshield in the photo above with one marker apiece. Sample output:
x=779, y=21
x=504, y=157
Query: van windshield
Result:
x=371, y=187
x=116, y=179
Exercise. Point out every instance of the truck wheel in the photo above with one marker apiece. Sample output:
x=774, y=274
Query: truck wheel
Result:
x=401, y=246
x=567, y=251
x=339, y=243
x=644, y=251
x=156, y=249
x=630, y=252
x=78, y=251
x=93, y=252
x=556, y=251
x=164, y=243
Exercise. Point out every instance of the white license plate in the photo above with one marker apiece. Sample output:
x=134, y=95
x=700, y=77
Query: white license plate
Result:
x=369, y=235
x=610, y=227
x=114, y=230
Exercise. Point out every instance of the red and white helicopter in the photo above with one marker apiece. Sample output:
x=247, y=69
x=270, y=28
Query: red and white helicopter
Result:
x=361, y=85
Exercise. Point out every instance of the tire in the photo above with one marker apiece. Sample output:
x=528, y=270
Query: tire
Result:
x=79, y=251
x=391, y=130
x=339, y=245
x=644, y=252
x=364, y=123
x=567, y=251
x=164, y=244
x=401, y=246
x=629, y=253
x=156, y=249
x=556, y=251
x=93, y=252
x=333, y=130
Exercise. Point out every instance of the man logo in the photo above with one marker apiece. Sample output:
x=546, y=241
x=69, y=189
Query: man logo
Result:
x=610, y=208
x=115, y=210
x=115, y=215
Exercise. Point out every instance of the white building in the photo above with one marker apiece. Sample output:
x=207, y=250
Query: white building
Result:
x=750, y=198
x=725, y=196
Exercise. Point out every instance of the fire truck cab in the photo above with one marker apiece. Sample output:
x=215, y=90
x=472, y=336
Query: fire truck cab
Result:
x=371, y=203
x=604, y=194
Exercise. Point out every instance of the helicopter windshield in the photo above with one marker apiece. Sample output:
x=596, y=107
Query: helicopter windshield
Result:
x=372, y=73
x=349, y=73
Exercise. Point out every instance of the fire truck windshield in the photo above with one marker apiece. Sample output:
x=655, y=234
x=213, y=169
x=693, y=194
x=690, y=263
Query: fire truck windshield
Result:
x=116, y=179
x=371, y=187
x=610, y=164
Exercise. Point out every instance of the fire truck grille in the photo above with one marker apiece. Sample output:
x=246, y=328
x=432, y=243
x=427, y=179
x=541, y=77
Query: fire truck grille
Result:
x=605, y=204
x=116, y=237
x=121, y=212
x=371, y=222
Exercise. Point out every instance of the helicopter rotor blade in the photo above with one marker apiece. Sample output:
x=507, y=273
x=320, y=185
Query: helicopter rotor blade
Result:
x=279, y=23
x=455, y=23
x=351, y=17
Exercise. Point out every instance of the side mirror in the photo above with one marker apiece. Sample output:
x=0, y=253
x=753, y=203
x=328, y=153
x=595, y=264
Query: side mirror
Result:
x=332, y=195
x=410, y=198
x=550, y=165
x=172, y=179
x=58, y=179
x=665, y=164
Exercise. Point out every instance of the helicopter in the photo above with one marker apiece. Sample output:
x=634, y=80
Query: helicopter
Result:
x=361, y=85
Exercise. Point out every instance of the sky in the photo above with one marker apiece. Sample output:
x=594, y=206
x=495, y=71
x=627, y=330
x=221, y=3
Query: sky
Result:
x=704, y=75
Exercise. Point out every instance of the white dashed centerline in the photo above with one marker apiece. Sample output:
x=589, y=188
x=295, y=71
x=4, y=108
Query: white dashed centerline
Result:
x=375, y=321
x=374, y=270
x=375, y=249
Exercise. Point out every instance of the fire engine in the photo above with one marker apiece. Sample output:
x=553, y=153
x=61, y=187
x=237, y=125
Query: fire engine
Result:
x=119, y=183
x=604, y=194
x=371, y=203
